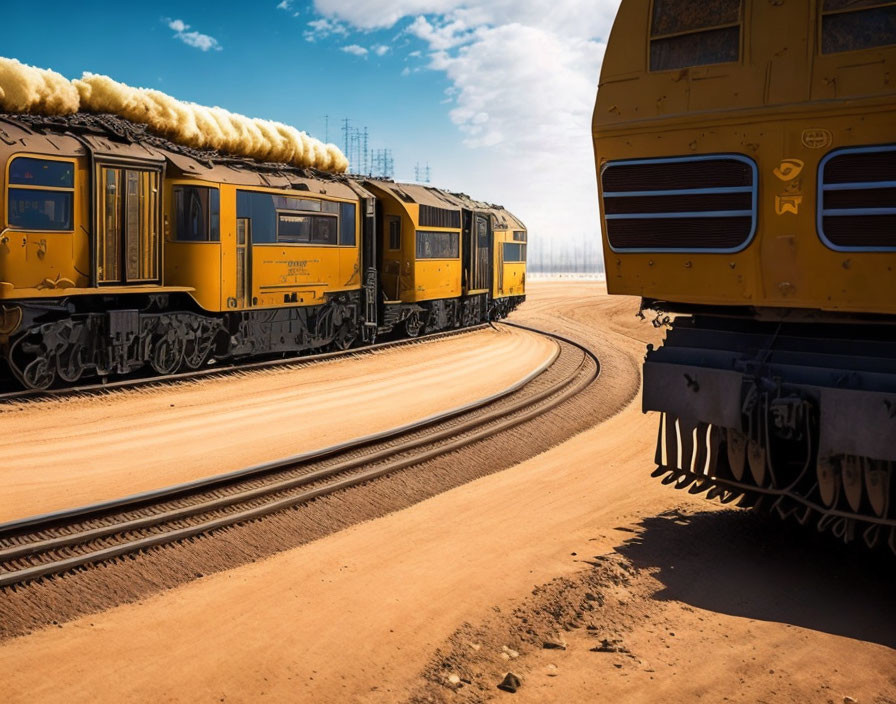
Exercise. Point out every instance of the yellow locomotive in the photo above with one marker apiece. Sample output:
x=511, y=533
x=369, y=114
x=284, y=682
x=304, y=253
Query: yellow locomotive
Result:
x=746, y=158
x=121, y=250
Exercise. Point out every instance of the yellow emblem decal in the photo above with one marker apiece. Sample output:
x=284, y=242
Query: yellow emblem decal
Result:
x=817, y=138
x=789, y=169
x=788, y=204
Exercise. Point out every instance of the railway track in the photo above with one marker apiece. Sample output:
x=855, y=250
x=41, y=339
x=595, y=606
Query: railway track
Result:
x=53, y=544
x=223, y=370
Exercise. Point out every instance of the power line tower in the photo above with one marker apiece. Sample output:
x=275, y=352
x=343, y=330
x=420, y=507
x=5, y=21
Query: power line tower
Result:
x=421, y=173
x=366, y=163
x=346, y=134
x=383, y=164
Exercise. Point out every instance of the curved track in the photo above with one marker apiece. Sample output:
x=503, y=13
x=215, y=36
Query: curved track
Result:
x=56, y=543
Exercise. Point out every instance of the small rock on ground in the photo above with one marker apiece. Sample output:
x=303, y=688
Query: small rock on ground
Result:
x=510, y=683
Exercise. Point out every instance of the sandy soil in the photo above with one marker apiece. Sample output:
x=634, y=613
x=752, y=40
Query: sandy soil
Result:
x=70, y=452
x=577, y=547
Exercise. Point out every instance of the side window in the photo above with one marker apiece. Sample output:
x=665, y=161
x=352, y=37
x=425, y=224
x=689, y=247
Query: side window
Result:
x=851, y=25
x=41, y=194
x=259, y=208
x=394, y=232
x=514, y=252
x=293, y=229
x=323, y=230
x=438, y=245
x=519, y=236
x=347, y=224
x=686, y=33
x=297, y=228
x=280, y=219
x=197, y=214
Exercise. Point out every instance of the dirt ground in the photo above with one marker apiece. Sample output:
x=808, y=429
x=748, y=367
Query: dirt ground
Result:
x=574, y=570
x=68, y=452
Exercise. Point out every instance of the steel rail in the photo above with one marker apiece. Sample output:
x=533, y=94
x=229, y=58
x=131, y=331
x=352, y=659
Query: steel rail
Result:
x=469, y=432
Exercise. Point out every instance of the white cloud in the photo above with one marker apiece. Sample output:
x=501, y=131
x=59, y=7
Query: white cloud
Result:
x=439, y=38
x=380, y=49
x=355, y=49
x=285, y=5
x=379, y=14
x=323, y=28
x=194, y=39
x=523, y=77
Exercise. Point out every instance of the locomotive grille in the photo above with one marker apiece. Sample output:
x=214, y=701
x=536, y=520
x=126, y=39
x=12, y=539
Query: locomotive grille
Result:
x=680, y=204
x=431, y=216
x=857, y=201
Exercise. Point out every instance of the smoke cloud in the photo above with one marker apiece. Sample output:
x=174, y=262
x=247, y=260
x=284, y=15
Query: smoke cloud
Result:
x=33, y=90
x=25, y=88
x=208, y=128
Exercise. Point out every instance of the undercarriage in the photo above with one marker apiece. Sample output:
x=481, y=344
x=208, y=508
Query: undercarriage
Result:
x=798, y=418
x=67, y=340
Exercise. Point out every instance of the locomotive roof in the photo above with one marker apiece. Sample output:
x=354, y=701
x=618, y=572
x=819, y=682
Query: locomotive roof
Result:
x=417, y=193
x=110, y=135
x=504, y=219
x=428, y=195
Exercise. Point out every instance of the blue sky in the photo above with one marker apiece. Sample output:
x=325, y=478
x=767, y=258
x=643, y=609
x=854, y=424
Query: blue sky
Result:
x=495, y=95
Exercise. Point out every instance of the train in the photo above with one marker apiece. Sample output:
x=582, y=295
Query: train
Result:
x=746, y=164
x=125, y=253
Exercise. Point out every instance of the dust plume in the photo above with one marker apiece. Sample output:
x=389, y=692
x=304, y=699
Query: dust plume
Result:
x=208, y=128
x=25, y=88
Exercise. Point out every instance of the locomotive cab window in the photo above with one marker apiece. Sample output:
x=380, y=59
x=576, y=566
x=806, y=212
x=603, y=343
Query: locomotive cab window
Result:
x=41, y=194
x=197, y=214
x=514, y=252
x=852, y=25
x=519, y=236
x=685, y=33
x=438, y=245
x=394, y=232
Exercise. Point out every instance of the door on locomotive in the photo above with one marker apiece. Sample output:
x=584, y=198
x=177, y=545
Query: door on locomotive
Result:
x=390, y=238
x=243, y=268
x=127, y=246
x=477, y=252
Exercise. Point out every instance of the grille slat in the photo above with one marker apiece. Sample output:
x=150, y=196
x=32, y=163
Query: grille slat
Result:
x=857, y=203
x=702, y=204
x=677, y=203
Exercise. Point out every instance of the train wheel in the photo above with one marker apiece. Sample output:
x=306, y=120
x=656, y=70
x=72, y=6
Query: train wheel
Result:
x=70, y=363
x=167, y=354
x=413, y=324
x=828, y=481
x=195, y=354
x=345, y=337
x=39, y=374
